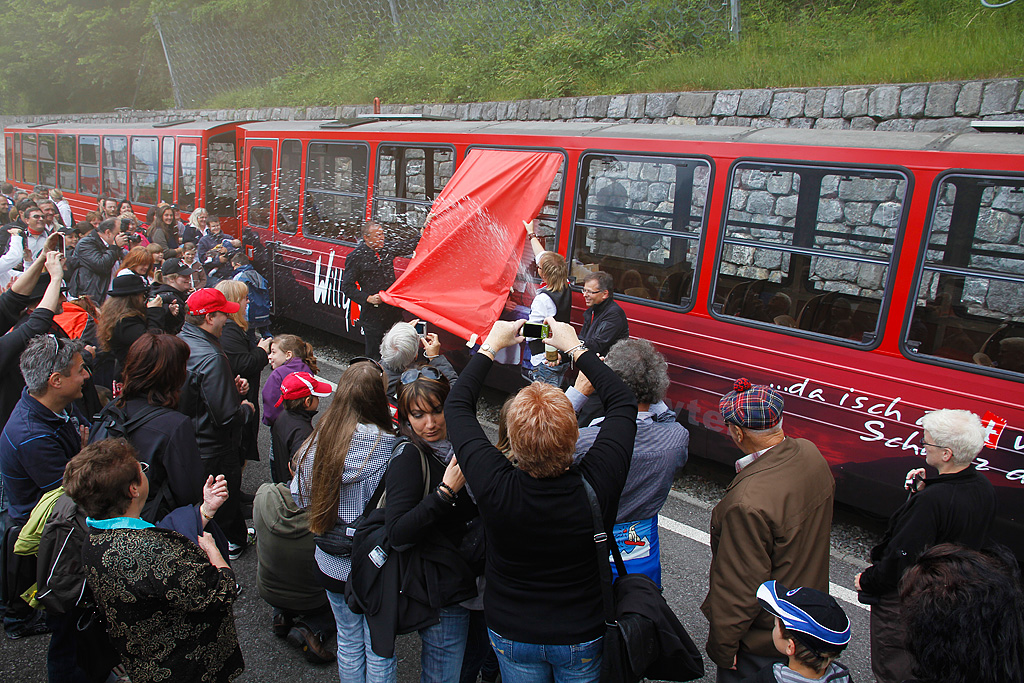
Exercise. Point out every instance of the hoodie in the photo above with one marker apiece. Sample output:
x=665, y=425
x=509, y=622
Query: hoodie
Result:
x=286, y=574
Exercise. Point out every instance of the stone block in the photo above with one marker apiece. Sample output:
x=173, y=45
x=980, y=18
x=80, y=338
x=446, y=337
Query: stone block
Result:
x=635, y=106
x=501, y=111
x=734, y=121
x=726, y=103
x=566, y=108
x=912, y=101
x=941, y=102
x=462, y=111
x=832, y=124
x=754, y=103
x=489, y=111
x=580, y=107
x=862, y=123
x=1000, y=97
x=707, y=121
x=896, y=125
x=855, y=103
x=476, y=111
x=767, y=122
x=450, y=110
x=533, y=110
x=681, y=121
x=832, y=108
x=696, y=104
x=597, y=106
x=801, y=122
x=661, y=105
x=814, y=102
x=884, y=102
x=968, y=103
x=787, y=105
x=617, y=106
x=949, y=125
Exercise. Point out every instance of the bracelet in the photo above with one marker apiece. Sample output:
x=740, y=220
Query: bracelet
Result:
x=203, y=513
x=446, y=487
x=533, y=235
x=579, y=346
x=445, y=495
x=430, y=357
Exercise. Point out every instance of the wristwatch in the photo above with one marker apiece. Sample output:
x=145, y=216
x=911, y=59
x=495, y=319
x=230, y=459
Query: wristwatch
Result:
x=487, y=347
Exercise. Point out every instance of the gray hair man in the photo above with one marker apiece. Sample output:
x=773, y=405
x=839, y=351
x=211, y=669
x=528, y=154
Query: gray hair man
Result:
x=399, y=352
x=956, y=506
x=659, y=449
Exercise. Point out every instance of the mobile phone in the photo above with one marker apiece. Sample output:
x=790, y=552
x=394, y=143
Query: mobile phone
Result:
x=62, y=246
x=421, y=328
x=536, y=330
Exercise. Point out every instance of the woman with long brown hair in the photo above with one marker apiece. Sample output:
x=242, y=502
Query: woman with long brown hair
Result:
x=140, y=262
x=125, y=316
x=339, y=468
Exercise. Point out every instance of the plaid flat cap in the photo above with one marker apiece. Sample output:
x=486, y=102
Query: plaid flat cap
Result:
x=752, y=406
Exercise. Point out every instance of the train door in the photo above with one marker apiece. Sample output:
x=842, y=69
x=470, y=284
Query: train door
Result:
x=286, y=220
x=187, y=173
x=259, y=199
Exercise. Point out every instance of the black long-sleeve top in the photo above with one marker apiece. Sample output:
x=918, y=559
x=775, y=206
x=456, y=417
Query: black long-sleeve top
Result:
x=368, y=272
x=543, y=584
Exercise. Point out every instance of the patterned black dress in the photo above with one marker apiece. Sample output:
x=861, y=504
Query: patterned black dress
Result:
x=167, y=608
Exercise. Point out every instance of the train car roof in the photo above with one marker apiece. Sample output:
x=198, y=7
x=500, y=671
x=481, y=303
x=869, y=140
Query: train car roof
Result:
x=967, y=141
x=175, y=125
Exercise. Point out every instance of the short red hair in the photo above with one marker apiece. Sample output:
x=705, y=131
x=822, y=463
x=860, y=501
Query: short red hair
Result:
x=542, y=430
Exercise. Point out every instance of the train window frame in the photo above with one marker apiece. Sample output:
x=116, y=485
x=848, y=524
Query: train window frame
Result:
x=378, y=198
x=278, y=209
x=906, y=347
x=133, y=185
x=220, y=205
x=113, y=168
x=885, y=303
x=166, y=179
x=63, y=165
x=51, y=163
x=92, y=141
x=179, y=178
x=268, y=174
x=35, y=159
x=13, y=161
x=304, y=204
x=646, y=157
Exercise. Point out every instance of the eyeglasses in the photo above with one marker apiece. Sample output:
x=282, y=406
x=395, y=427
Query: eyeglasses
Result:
x=426, y=372
x=933, y=445
x=592, y=291
x=145, y=467
x=366, y=359
x=56, y=354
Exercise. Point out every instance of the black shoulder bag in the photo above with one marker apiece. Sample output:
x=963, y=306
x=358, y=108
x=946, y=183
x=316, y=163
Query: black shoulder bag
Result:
x=643, y=637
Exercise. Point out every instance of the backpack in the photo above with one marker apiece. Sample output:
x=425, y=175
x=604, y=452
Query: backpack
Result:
x=259, y=295
x=114, y=423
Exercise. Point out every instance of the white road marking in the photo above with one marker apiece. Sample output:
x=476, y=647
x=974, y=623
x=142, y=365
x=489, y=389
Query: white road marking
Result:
x=669, y=524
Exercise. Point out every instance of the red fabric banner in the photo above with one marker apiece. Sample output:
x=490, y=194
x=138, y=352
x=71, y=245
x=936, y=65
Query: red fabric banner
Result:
x=469, y=254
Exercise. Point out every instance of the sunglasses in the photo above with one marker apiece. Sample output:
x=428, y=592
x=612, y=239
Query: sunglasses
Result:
x=426, y=372
x=56, y=354
x=366, y=359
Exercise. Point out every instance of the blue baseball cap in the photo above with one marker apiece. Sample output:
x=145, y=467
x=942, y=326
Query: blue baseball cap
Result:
x=814, y=618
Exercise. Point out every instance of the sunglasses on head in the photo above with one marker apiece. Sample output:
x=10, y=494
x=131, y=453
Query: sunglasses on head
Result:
x=366, y=359
x=426, y=372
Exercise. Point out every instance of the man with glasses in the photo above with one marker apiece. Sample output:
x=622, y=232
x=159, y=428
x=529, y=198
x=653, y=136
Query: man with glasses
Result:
x=44, y=431
x=35, y=232
x=957, y=506
x=773, y=522
x=98, y=254
x=604, y=321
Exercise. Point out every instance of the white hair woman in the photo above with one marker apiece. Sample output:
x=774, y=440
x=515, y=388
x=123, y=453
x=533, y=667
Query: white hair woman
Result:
x=399, y=351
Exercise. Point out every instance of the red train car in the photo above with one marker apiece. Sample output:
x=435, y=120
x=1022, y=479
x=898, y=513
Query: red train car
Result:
x=870, y=276
x=185, y=162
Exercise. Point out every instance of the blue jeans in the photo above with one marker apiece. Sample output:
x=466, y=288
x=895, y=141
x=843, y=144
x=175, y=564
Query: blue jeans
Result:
x=529, y=663
x=546, y=373
x=444, y=645
x=357, y=663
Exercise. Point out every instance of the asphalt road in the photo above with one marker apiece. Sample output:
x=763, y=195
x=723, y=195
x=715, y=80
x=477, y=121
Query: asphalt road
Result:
x=686, y=556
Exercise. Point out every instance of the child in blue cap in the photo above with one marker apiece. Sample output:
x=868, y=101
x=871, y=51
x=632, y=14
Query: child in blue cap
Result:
x=811, y=629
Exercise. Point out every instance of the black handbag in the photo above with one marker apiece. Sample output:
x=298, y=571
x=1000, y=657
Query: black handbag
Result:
x=338, y=539
x=643, y=637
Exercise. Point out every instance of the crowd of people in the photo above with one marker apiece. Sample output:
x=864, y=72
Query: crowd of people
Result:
x=134, y=353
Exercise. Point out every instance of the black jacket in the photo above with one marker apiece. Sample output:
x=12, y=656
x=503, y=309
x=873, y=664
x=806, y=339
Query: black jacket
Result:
x=248, y=360
x=96, y=261
x=11, y=306
x=952, y=508
x=368, y=272
x=11, y=346
x=209, y=396
x=128, y=329
x=171, y=324
x=289, y=430
x=603, y=325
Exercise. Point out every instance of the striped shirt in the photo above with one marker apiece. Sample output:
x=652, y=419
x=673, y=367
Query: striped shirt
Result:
x=367, y=459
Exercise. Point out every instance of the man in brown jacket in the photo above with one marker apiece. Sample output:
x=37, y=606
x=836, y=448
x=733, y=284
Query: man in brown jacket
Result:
x=773, y=523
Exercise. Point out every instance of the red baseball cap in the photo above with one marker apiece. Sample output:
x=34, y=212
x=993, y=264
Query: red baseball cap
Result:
x=303, y=384
x=209, y=300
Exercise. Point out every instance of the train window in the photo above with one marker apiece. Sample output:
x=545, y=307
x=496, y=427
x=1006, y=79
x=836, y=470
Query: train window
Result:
x=222, y=176
x=67, y=160
x=9, y=155
x=115, y=166
x=187, y=178
x=809, y=248
x=261, y=185
x=289, y=186
x=640, y=219
x=970, y=298
x=408, y=181
x=89, y=165
x=48, y=160
x=145, y=163
x=334, y=203
x=167, y=170
x=29, y=170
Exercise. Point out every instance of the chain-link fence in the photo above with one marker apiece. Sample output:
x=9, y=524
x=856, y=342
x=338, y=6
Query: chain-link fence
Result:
x=211, y=54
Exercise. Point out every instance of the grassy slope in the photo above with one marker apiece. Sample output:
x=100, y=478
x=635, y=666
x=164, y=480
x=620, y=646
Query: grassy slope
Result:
x=785, y=43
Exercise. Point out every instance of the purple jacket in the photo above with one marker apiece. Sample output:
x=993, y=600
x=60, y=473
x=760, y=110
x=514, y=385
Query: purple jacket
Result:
x=272, y=389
